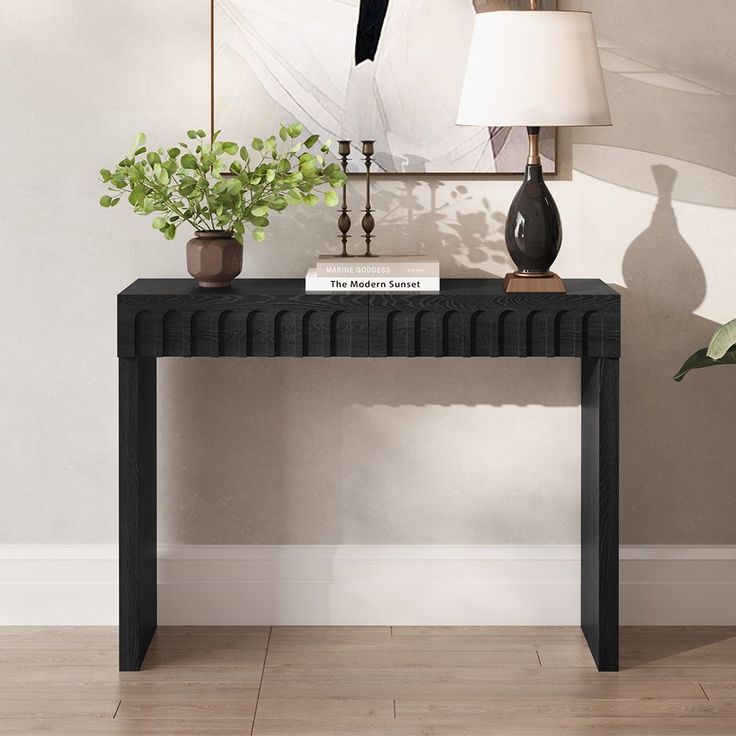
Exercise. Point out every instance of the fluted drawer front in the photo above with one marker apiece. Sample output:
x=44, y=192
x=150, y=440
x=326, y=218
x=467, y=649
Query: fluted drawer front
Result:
x=274, y=317
x=269, y=317
x=538, y=325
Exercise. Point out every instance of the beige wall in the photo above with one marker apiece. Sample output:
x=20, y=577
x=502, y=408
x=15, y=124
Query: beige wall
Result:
x=423, y=451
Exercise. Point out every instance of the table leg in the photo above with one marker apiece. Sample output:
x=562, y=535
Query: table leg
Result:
x=599, y=528
x=137, y=508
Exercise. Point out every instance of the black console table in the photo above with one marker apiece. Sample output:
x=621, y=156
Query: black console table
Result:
x=274, y=317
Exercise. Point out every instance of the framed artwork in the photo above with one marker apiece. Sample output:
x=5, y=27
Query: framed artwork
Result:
x=385, y=70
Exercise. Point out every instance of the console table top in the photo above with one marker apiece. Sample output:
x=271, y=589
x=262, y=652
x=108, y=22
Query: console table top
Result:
x=282, y=287
x=276, y=317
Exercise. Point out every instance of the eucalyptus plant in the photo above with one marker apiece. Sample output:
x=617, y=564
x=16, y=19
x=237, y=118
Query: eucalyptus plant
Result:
x=221, y=185
x=720, y=351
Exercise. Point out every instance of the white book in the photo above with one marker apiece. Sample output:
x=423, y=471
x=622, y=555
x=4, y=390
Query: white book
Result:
x=312, y=282
x=378, y=266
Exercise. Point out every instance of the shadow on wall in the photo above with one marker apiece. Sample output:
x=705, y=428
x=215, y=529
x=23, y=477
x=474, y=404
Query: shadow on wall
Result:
x=231, y=424
x=372, y=451
x=677, y=462
x=439, y=218
x=669, y=74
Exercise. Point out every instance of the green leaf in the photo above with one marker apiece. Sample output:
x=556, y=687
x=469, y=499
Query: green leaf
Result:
x=295, y=130
x=105, y=174
x=331, y=198
x=270, y=175
x=311, y=141
x=216, y=135
x=153, y=158
x=270, y=144
x=192, y=134
x=311, y=199
x=201, y=133
x=188, y=161
x=230, y=147
x=723, y=340
x=137, y=195
x=169, y=231
x=259, y=211
x=701, y=360
x=159, y=223
x=308, y=169
x=244, y=154
x=105, y=200
x=337, y=180
x=139, y=151
x=174, y=152
x=278, y=204
x=114, y=201
x=259, y=235
x=283, y=133
x=257, y=144
x=234, y=186
x=140, y=140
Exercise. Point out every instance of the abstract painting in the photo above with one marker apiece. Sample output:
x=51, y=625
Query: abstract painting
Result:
x=385, y=70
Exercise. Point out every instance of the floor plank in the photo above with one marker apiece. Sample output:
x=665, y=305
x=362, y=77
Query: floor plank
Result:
x=324, y=708
x=500, y=727
x=400, y=681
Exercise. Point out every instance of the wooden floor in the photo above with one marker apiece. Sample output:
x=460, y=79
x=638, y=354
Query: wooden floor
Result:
x=368, y=681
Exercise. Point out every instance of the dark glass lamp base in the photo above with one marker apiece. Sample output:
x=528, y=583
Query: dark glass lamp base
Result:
x=533, y=235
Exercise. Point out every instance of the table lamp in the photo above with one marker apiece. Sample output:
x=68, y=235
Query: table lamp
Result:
x=533, y=68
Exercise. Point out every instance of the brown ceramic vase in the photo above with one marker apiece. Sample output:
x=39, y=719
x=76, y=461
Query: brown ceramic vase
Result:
x=214, y=258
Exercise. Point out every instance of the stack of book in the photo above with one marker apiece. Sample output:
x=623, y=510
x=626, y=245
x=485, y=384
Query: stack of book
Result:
x=378, y=273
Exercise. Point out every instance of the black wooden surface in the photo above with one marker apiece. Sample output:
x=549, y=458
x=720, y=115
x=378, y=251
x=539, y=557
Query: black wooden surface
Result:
x=137, y=508
x=599, y=509
x=275, y=317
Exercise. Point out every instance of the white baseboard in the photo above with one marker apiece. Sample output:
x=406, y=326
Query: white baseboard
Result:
x=367, y=585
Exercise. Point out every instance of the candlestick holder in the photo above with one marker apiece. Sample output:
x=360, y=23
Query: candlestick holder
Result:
x=344, y=222
x=368, y=222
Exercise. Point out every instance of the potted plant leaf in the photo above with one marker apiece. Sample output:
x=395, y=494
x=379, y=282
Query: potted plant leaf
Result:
x=223, y=190
x=720, y=351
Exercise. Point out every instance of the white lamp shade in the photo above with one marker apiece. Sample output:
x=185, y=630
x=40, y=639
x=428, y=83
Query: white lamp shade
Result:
x=533, y=68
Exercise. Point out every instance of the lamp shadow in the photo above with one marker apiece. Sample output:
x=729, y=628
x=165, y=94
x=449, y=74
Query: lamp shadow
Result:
x=291, y=451
x=676, y=439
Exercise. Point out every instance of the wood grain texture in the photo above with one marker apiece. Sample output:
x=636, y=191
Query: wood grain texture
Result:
x=256, y=317
x=319, y=681
x=275, y=317
x=474, y=317
x=137, y=508
x=599, y=510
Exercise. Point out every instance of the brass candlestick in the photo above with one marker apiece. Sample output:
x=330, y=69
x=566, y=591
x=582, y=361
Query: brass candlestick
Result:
x=368, y=222
x=343, y=222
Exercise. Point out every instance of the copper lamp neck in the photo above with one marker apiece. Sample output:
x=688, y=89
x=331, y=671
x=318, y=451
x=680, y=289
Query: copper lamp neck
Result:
x=534, y=4
x=534, y=157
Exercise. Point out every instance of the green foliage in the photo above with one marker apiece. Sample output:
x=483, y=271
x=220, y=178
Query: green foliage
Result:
x=720, y=351
x=724, y=338
x=221, y=185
